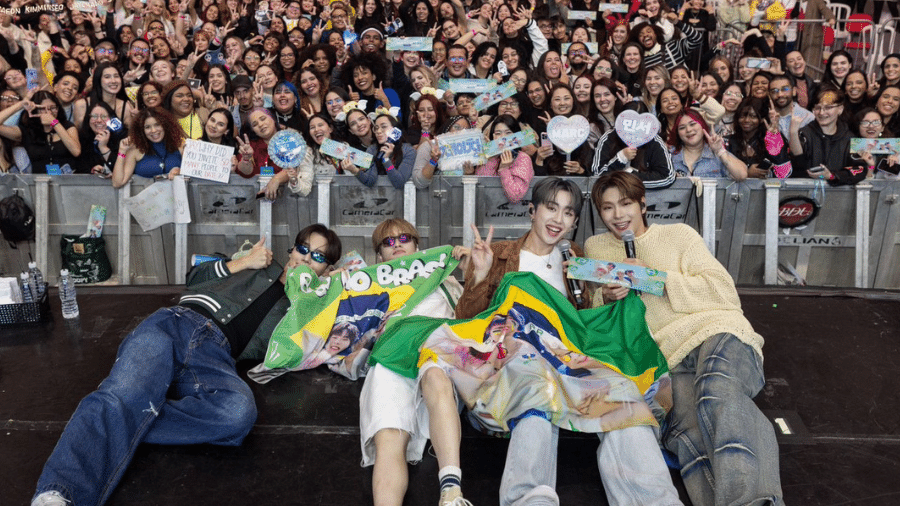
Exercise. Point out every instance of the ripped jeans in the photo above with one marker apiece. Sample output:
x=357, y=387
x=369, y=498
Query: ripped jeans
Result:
x=173, y=382
x=726, y=447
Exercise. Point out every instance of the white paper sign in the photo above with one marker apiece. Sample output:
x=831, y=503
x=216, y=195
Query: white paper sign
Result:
x=160, y=203
x=578, y=15
x=206, y=160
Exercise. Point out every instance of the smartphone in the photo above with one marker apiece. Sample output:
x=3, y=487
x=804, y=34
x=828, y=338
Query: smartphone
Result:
x=545, y=141
x=31, y=77
x=884, y=166
x=820, y=169
x=194, y=83
x=114, y=125
x=758, y=63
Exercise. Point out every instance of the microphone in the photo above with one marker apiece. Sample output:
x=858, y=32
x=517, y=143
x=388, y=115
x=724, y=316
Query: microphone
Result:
x=574, y=287
x=628, y=239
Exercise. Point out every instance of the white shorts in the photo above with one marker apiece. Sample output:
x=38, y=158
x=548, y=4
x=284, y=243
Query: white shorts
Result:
x=391, y=401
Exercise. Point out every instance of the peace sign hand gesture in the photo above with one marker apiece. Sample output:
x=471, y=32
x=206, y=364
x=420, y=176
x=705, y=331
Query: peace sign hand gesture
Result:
x=482, y=256
x=716, y=144
x=774, y=117
x=244, y=147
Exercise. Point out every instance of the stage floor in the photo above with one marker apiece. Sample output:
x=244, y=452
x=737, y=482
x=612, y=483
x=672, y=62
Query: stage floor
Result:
x=831, y=368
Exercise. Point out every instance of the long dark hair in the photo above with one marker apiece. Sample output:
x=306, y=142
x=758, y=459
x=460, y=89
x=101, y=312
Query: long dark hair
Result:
x=174, y=134
x=97, y=91
x=228, y=137
x=739, y=141
x=86, y=134
x=32, y=126
x=397, y=153
x=594, y=111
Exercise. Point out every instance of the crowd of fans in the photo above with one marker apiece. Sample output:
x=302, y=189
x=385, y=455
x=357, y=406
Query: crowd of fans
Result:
x=115, y=88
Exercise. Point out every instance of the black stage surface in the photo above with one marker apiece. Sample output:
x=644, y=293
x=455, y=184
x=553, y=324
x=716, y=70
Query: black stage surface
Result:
x=831, y=365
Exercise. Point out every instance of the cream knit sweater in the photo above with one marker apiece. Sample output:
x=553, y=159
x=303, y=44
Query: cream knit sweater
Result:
x=700, y=299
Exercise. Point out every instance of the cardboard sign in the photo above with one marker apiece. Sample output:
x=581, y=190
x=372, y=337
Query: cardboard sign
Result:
x=581, y=15
x=632, y=276
x=460, y=147
x=206, y=160
x=509, y=142
x=409, y=43
x=471, y=85
x=622, y=8
x=568, y=133
x=495, y=95
x=636, y=129
x=875, y=146
x=342, y=150
x=592, y=47
x=160, y=203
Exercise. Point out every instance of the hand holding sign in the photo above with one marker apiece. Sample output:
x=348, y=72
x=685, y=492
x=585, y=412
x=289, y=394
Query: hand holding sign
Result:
x=636, y=129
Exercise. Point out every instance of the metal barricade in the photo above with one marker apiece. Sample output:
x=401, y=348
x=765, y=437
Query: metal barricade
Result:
x=853, y=241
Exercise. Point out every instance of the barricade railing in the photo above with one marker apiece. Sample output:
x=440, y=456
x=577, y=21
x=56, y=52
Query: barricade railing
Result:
x=856, y=226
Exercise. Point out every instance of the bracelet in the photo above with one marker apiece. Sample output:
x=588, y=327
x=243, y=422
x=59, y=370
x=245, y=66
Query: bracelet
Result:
x=122, y=155
x=389, y=168
x=54, y=123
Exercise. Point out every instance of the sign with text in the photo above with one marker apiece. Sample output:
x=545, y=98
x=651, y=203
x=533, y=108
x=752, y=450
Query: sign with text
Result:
x=620, y=8
x=409, y=43
x=581, y=15
x=459, y=148
x=509, y=142
x=160, y=203
x=471, y=85
x=568, y=133
x=604, y=271
x=342, y=150
x=206, y=160
x=875, y=146
x=495, y=95
x=636, y=129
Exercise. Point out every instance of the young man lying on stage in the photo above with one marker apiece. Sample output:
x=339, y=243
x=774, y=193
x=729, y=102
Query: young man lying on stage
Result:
x=151, y=394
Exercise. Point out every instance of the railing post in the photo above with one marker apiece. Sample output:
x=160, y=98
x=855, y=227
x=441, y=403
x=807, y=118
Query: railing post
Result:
x=770, y=273
x=42, y=221
x=323, y=200
x=409, y=202
x=708, y=227
x=863, y=198
x=265, y=213
x=124, y=235
x=469, y=193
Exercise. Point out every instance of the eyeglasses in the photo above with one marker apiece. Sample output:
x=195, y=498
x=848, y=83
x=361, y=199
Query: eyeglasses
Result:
x=101, y=51
x=336, y=101
x=252, y=57
x=825, y=108
x=391, y=241
x=873, y=123
x=10, y=98
x=735, y=94
x=52, y=109
x=783, y=89
x=140, y=50
x=457, y=59
x=604, y=70
x=101, y=117
x=579, y=53
x=317, y=256
x=513, y=105
x=519, y=80
x=148, y=94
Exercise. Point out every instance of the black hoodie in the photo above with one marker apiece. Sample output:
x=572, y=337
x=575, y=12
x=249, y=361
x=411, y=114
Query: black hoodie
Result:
x=832, y=151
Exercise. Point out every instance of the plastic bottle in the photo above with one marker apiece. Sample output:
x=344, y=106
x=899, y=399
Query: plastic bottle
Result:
x=27, y=290
x=37, y=280
x=67, y=295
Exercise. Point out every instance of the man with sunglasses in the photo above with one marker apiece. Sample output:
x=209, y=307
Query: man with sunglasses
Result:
x=174, y=379
x=394, y=422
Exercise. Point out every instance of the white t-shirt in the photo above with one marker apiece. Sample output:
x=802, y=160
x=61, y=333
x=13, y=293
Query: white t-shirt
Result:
x=529, y=262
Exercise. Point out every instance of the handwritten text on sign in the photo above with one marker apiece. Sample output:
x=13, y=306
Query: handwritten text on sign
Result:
x=206, y=160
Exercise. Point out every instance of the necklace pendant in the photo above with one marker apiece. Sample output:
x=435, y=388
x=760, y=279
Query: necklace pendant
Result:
x=549, y=266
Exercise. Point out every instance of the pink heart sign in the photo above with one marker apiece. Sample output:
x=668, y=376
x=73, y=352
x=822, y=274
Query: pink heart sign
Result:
x=636, y=129
x=568, y=133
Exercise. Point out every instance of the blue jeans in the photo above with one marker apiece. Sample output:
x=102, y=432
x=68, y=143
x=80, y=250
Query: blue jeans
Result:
x=173, y=382
x=631, y=466
x=725, y=446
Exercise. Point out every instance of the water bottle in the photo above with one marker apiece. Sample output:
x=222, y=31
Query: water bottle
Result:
x=27, y=290
x=37, y=280
x=67, y=295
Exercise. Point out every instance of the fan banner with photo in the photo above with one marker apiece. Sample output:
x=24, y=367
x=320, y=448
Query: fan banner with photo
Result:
x=533, y=354
x=336, y=320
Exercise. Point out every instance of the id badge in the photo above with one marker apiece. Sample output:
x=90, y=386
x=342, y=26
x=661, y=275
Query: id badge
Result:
x=266, y=170
x=53, y=170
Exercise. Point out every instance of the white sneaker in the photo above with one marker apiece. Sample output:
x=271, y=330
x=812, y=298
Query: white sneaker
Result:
x=50, y=498
x=452, y=496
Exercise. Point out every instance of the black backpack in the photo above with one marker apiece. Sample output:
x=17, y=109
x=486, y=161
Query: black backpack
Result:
x=16, y=220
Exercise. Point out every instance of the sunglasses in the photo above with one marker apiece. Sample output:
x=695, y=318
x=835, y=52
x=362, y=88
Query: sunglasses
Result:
x=303, y=249
x=402, y=238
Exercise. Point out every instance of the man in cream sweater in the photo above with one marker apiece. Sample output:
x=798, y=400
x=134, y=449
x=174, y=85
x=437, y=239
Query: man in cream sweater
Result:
x=725, y=446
